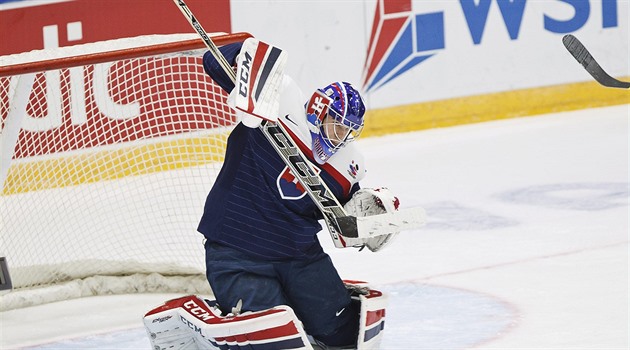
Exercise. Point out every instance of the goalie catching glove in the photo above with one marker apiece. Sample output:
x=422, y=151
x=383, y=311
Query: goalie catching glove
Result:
x=259, y=74
x=373, y=201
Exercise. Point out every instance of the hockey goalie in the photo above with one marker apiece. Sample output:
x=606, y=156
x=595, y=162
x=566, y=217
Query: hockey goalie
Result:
x=274, y=286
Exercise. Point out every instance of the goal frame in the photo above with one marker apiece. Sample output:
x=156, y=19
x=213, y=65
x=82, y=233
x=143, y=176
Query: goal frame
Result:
x=141, y=279
x=102, y=57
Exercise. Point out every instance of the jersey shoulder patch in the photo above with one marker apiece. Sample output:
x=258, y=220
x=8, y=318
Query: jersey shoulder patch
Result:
x=349, y=162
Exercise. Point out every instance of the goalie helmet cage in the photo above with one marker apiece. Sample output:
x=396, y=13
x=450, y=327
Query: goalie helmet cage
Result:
x=107, y=153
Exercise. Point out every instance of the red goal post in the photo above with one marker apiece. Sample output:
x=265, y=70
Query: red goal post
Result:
x=107, y=152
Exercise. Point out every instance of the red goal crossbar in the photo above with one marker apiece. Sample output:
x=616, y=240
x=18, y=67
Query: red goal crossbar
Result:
x=101, y=57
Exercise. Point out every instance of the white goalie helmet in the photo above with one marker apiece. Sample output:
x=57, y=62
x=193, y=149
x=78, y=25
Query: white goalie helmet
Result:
x=338, y=122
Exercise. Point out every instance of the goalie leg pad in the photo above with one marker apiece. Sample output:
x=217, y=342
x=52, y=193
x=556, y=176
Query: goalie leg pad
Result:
x=166, y=331
x=372, y=314
x=191, y=323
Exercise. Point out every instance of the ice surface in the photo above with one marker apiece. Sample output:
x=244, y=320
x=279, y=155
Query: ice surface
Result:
x=526, y=245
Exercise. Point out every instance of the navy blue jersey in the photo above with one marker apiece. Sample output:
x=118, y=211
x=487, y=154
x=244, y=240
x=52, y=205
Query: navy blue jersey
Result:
x=256, y=205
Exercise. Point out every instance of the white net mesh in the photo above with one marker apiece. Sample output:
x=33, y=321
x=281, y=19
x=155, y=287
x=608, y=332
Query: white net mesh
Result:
x=106, y=167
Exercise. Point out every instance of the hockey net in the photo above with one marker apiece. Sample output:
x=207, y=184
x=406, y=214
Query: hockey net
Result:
x=107, y=152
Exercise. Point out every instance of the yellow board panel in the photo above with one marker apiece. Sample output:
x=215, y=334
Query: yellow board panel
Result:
x=71, y=170
x=502, y=105
x=105, y=165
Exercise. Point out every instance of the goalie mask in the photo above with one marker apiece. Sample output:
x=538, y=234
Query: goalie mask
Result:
x=335, y=116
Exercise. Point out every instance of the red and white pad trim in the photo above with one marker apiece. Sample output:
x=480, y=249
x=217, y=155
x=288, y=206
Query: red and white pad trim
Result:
x=176, y=322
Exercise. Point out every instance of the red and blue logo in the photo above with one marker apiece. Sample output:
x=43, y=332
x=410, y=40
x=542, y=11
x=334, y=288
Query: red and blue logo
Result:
x=353, y=169
x=399, y=41
x=289, y=186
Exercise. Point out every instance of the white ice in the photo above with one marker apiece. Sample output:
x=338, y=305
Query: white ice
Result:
x=526, y=245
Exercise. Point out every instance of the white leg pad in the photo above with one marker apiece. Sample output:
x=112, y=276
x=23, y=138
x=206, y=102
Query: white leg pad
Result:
x=372, y=319
x=190, y=323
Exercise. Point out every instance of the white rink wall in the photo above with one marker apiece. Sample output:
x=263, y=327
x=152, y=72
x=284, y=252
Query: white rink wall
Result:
x=462, y=49
x=487, y=48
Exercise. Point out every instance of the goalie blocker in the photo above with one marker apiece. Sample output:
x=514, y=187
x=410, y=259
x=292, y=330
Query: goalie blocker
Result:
x=191, y=322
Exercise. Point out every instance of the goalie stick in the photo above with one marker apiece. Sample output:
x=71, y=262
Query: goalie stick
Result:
x=581, y=54
x=339, y=223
